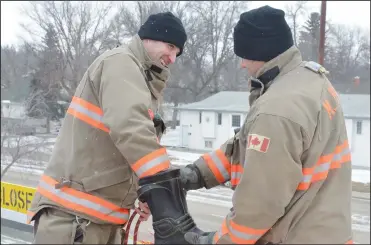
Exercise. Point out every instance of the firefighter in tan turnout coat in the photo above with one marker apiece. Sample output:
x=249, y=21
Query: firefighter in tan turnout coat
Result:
x=290, y=163
x=108, y=140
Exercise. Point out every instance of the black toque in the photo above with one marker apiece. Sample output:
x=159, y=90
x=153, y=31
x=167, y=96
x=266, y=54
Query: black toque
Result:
x=262, y=34
x=164, y=27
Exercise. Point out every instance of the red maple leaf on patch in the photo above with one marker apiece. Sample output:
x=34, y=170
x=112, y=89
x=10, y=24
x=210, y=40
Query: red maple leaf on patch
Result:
x=255, y=141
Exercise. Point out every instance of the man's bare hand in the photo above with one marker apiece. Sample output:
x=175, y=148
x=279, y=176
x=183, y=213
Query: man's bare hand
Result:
x=144, y=211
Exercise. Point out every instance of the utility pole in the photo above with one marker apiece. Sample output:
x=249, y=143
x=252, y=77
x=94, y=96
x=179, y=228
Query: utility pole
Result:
x=321, y=49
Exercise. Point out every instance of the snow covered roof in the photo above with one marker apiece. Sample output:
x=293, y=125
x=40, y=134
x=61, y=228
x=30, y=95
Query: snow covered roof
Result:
x=230, y=101
x=354, y=105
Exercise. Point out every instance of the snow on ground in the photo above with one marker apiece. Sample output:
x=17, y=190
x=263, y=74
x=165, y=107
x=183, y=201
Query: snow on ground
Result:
x=361, y=175
x=178, y=158
x=171, y=137
x=182, y=158
x=27, y=141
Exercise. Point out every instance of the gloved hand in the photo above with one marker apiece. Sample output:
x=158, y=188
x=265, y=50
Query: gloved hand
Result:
x=194, y=238
x=191, y=178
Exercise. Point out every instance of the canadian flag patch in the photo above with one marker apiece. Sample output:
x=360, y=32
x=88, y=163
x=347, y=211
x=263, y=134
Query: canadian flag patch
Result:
x=258, y=143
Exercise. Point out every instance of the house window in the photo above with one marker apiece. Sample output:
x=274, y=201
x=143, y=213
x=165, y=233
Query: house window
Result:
x=236, y=120
x=359, y=127
x=208, y=144
x=200, y=117
x=219, y=118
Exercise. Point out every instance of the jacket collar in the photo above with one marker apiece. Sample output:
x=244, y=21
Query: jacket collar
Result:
x=273, y=69
x=156, y=74
x=285, y=62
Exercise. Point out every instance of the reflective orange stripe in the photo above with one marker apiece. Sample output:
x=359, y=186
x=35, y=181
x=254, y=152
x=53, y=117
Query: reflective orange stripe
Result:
x=87, y=112
x=236, y=173
x=333, y=93
x=218, y=164
x=349, y=242
x=222, y=231
x=88, y=105
x=329, y=109
x=87, y=120
x=325, y=163
x=82, y=202
x=152, y=163
x=29, y=216
x=244, y=235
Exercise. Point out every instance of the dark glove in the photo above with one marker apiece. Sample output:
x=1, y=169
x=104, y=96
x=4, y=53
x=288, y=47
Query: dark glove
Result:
x=191, y=178
x=159, y=124
x=195, y=238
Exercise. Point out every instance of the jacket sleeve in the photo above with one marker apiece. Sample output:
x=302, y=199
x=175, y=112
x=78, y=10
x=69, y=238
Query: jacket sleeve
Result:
x=272, y=173
x=215, y=167
x=125, y=100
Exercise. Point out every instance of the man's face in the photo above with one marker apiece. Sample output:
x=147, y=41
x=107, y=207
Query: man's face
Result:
x=252, y=66
x=162, y=52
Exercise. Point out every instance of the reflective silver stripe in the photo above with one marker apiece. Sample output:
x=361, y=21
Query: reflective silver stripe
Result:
x=236, y=175
x=243, y=235
x=307, y=178
x=325, y=166
x=322, y=167
x=154, y=162
x=85, y=111
x=344, y=152
x=337, y=157
x=219, y=165
x=83, y=202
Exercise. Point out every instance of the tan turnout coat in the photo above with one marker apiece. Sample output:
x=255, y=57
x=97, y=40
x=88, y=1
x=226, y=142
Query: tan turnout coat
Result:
x=108, y=139
x=290, y=163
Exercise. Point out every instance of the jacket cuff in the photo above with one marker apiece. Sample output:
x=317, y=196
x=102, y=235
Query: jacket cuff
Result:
x=208, y=176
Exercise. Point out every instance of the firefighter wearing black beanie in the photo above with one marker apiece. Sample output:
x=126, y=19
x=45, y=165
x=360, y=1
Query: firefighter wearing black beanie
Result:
x=164, y=27
x=262, y=34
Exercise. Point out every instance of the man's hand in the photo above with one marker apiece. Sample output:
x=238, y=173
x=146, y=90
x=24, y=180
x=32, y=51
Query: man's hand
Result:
x=191, y=178
x=194, y=238
x=144, y=211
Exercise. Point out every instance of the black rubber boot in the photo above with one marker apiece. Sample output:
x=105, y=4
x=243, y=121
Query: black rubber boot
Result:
x=166, y=199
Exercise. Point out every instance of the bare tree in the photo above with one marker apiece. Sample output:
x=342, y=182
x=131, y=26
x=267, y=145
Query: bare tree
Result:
x=15, y=67
x=209, y=46
x=81, y=29
x=350, y=48
x=132, y=15
x=15, y=145
x=293, y=11
x=233, y=77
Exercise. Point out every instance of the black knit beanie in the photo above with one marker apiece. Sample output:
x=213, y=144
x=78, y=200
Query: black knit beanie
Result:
x=164, y=27
x=262, y=34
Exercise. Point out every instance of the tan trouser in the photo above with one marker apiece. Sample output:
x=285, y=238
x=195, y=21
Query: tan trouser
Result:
x=53, y=226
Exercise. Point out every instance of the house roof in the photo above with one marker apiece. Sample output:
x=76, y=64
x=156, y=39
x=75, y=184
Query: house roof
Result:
x=230, y=101
x=354, y=105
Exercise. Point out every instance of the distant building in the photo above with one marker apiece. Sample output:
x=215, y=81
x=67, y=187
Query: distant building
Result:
x=10, y=109
x=207, y=124
x=14, y=117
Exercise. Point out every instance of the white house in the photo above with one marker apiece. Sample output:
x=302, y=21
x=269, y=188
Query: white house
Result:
x=10, y=109
x=207, y=124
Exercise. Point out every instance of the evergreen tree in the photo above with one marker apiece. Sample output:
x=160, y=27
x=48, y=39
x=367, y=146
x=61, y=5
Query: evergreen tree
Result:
x=309, y=37
x=44, y=87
